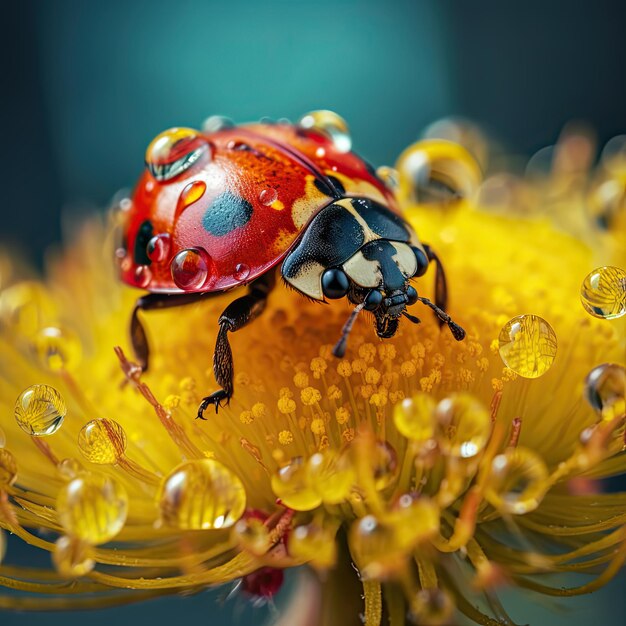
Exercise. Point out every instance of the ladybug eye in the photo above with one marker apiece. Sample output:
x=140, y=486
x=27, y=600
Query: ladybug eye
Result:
x=330, y=124
x=174, y=151
x=422, y=261
x=436, y=171
x=335, y=283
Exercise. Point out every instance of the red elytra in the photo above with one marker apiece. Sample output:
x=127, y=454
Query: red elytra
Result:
x=268, y=173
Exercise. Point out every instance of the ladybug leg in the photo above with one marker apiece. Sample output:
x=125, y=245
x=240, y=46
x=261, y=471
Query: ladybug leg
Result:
x=441, y=286
x=237, y=314
x=151, y=302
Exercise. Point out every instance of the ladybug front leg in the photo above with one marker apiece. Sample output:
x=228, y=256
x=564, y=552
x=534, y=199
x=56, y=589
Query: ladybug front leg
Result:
x=236, y=315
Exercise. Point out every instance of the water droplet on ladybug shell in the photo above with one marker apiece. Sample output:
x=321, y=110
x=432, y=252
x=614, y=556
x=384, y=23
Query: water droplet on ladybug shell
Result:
x=158, y=247
x=190, y=268
x=174, y=151
x=143, y=276
x=242, y=271
x=190, y=194
x=213, y=123
x=267, y=196
x=330, y=124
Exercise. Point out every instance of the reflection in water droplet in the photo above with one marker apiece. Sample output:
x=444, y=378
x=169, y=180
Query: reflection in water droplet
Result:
x=267, y=196
x=190, y=194
x=517, y=481
x=158, y=248
x=603, y=293
x=102, y=441
x=528, y=345
x=92, y=507
x=40, y=410
x=72, y=557
x=143, y=276
x=58, y=349
x=413, y=417
x=190, y=268
x=174, y=151
x=605, y=390
x=290, y=483
x=242, y=271
x=332, y=474
x=200, y=495
x=331, y=125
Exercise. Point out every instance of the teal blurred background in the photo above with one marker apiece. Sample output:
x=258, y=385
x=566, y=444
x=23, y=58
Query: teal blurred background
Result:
x=88, y=84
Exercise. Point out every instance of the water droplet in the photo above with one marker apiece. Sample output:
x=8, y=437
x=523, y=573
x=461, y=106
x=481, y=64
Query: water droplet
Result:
x=463, y=425
x=40, y=410
x=143, y=276
x=242, y=271
x=267, y=196
x=384, y=463
x=414, y=417
x=102, y=441
x=603, y=293
x=330, y=124
x=320, y=153
x=72, y=557
x=174, y=151
x=414, y=519
x=213, y=123
x=433, y=171
x=389, y=176
x=69, y=468
x=605, y=390
x=290, y=484
x=190, y=268
x=200, y=495
x=253, y=535
x=517, y=481
x=431, y=606
x=528, y=345
x=190, y=194
x=158, y=248
x=58, y=348
x=25, y=308
x=8, y=468
x=93, y=508
x=314, y=544
x=332, y=474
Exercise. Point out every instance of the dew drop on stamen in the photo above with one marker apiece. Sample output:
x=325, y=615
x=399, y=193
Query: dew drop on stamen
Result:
x=290, y=483
x=40, y=410
x=242, y=271
x=268, y=196
x=8, y=468
x=158, y=248
x=314, y=544
x=605, y=390
x=93, y=508
x=528, y=345
x=431, y=606
x=517, y=481
x=190, y=268
x=72, y=558
x=102, y=441
x=332, y=475
x=414, y=419
x=253, y=535
x=201, y=495
x=603, y=293
x=58, y=348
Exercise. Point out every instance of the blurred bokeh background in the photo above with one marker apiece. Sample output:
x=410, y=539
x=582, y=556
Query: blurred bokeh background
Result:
x=88, y=84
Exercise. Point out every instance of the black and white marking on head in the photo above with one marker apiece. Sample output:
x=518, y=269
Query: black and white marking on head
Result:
x=226, y=213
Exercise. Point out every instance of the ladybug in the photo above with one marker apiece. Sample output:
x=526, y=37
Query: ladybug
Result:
x=233, y=205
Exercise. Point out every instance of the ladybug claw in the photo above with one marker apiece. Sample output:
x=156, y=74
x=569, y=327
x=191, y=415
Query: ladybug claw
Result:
x=218, y=399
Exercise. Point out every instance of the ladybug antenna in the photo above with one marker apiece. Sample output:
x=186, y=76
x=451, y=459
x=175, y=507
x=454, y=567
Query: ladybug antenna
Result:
x=340, y=347
x=457, y=332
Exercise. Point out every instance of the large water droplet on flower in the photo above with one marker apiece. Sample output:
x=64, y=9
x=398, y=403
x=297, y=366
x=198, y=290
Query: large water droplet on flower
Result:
x=528, y=345
x=332, y=475
x=58, y=348
x=190, y=268
x=174, y=151
x=242, y=271
x=290, y=483
x=8, y=468
x=92, y=508
x=605, y=390
x=72, y=557
x=330, y=124
x=517, y=481
x=414, y=417
x=200, y=495
x=40, y=410
x=189, y=195
x=463, y=425
x=158, y=248
x=603, y=292
x=102, y=441
x=314, y=544
x=431, y=606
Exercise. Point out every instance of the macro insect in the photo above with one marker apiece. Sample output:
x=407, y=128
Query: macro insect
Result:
x=235, y=205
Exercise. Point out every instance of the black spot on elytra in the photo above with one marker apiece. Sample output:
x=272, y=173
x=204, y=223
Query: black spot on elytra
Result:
x=330, y=186
x=144, y=234
x=226, y=213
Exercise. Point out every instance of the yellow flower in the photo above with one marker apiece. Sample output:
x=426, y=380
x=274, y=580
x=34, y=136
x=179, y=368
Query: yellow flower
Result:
x=444, y=471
